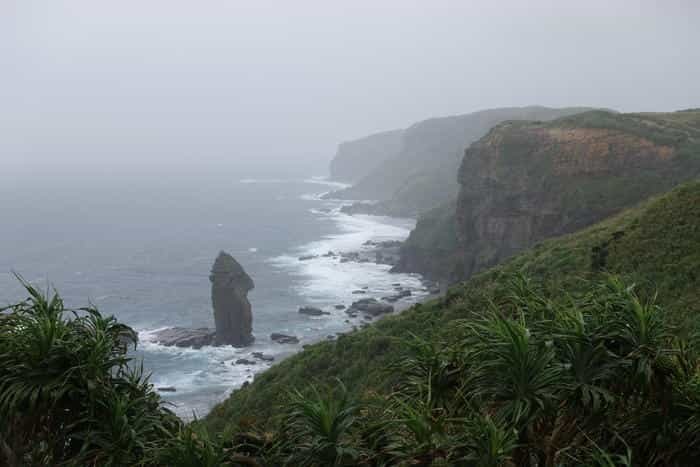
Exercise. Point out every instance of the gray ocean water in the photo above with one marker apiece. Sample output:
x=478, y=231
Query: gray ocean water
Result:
x=140, y=248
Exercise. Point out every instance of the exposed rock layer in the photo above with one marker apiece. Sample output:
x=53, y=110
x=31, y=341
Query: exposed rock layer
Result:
x=421, y=175
x=528, y=181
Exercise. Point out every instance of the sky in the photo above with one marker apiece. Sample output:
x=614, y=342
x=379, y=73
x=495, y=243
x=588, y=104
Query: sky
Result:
x=165, y=85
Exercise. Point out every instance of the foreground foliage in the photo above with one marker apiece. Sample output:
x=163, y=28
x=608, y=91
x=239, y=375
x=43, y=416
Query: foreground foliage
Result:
x=555, y=358
x=597, y=377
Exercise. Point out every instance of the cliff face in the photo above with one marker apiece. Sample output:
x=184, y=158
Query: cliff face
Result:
x=422, y=175
x=527, y=181
x=355, y=159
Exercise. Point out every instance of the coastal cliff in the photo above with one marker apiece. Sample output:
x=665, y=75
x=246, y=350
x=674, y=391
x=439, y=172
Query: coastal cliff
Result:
x=421, y=176
x=527, y=181
x=357, y=158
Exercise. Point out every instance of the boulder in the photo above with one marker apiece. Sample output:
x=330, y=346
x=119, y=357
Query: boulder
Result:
x=184, y=337
x=340, y=307
x=398, y=296
x=263, y=357
x=167, y=389
x=371, y=306
x=284, y=338
x=312, y=311
x=229, y=295
x=306, y=257
x=245, y=361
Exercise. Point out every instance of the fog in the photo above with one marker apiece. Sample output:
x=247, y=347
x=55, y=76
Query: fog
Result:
x=165, y=85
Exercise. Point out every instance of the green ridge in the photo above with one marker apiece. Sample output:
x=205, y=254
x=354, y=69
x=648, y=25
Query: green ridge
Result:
x=656, y=244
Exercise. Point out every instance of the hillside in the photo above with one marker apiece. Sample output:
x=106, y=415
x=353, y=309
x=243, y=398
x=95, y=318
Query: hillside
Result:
x=527, y=181
x=422, y=175
x=357, y=158
x=655, y=244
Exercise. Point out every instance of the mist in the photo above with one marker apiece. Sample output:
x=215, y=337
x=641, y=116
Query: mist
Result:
x=135, y=87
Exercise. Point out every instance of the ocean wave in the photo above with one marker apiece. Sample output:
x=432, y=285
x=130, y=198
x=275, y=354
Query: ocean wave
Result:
x=263, y=180
x=326, y=181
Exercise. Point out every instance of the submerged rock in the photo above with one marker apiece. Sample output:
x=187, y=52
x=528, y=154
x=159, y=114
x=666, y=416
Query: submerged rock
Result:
x=245, y=361
x=167, y=389
x=312, y=311
x=229, y=296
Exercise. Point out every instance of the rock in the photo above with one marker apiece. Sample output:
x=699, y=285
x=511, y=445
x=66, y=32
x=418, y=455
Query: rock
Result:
x=167, y=389
x=263, y=357
x=340, y=307
x=435, y=291
x=284, y=338
x=312, y=311
x=344, y=260
x=365, y=287
x=245, y=361
x=396, y=284
x=359, y=292
x=184, y=337
x=330, y=337
x=229, y=296
x=372, y=306
x=398, y=296
x=307, y=257
x=330, y=254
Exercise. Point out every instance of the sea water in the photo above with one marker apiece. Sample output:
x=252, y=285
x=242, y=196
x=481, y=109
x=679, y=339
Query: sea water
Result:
x=141, y=248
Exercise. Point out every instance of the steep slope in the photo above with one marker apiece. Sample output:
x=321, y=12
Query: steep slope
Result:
x=422, y=175
x=656, y=244
x=357, y=158
x=527, y=181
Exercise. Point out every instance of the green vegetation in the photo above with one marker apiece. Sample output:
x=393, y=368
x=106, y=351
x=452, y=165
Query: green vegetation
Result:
x=654, y=245
x=584, y=350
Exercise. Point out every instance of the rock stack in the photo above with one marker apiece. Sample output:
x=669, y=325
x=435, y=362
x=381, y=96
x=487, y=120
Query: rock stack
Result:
x=229, y=297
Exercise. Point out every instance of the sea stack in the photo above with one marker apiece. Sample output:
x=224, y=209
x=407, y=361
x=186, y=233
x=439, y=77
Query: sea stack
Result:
x=229, y=297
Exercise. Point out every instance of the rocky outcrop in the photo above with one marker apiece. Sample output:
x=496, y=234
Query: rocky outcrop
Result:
x=371, y=306
x=421, y=176
x=525, y=182
x=185, y=337
x=357, y=158
x=232, y=311
x=229, y=297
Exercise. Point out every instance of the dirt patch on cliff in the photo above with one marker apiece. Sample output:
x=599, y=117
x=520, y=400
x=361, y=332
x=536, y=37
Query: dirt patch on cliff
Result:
x=591, y=150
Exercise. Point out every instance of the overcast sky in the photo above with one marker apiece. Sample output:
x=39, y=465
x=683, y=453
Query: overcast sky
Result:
x=137, y=84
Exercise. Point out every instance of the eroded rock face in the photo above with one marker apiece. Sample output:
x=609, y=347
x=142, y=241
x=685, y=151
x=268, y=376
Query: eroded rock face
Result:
x=525, y=182
x=229, y=296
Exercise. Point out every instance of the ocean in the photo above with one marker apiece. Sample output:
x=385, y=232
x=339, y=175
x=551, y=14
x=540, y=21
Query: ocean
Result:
x=141, y=247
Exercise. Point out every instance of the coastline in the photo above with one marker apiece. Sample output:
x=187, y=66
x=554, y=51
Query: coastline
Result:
x=324, y=281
